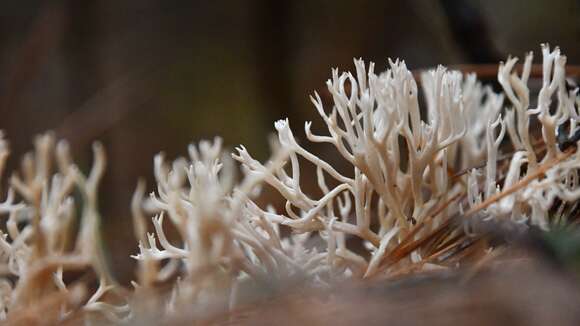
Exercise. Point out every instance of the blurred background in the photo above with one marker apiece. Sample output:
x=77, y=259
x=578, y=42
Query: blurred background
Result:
x=154, y=75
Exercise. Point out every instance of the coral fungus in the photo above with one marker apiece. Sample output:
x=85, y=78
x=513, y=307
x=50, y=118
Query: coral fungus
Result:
x=414, y=187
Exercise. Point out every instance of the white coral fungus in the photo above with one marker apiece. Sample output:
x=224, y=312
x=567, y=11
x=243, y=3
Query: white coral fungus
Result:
x=40, y=247
x=405, y=162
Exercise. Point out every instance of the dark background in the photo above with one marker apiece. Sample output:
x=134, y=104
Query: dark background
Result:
x=149, y=75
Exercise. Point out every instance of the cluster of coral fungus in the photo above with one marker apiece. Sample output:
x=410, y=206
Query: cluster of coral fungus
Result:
x=466, y=153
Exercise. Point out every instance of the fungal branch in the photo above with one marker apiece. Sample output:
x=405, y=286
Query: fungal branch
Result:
x=546, y=177
x=403, y=158
x=224, y=239
x=370, y=115
x=39, y=247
